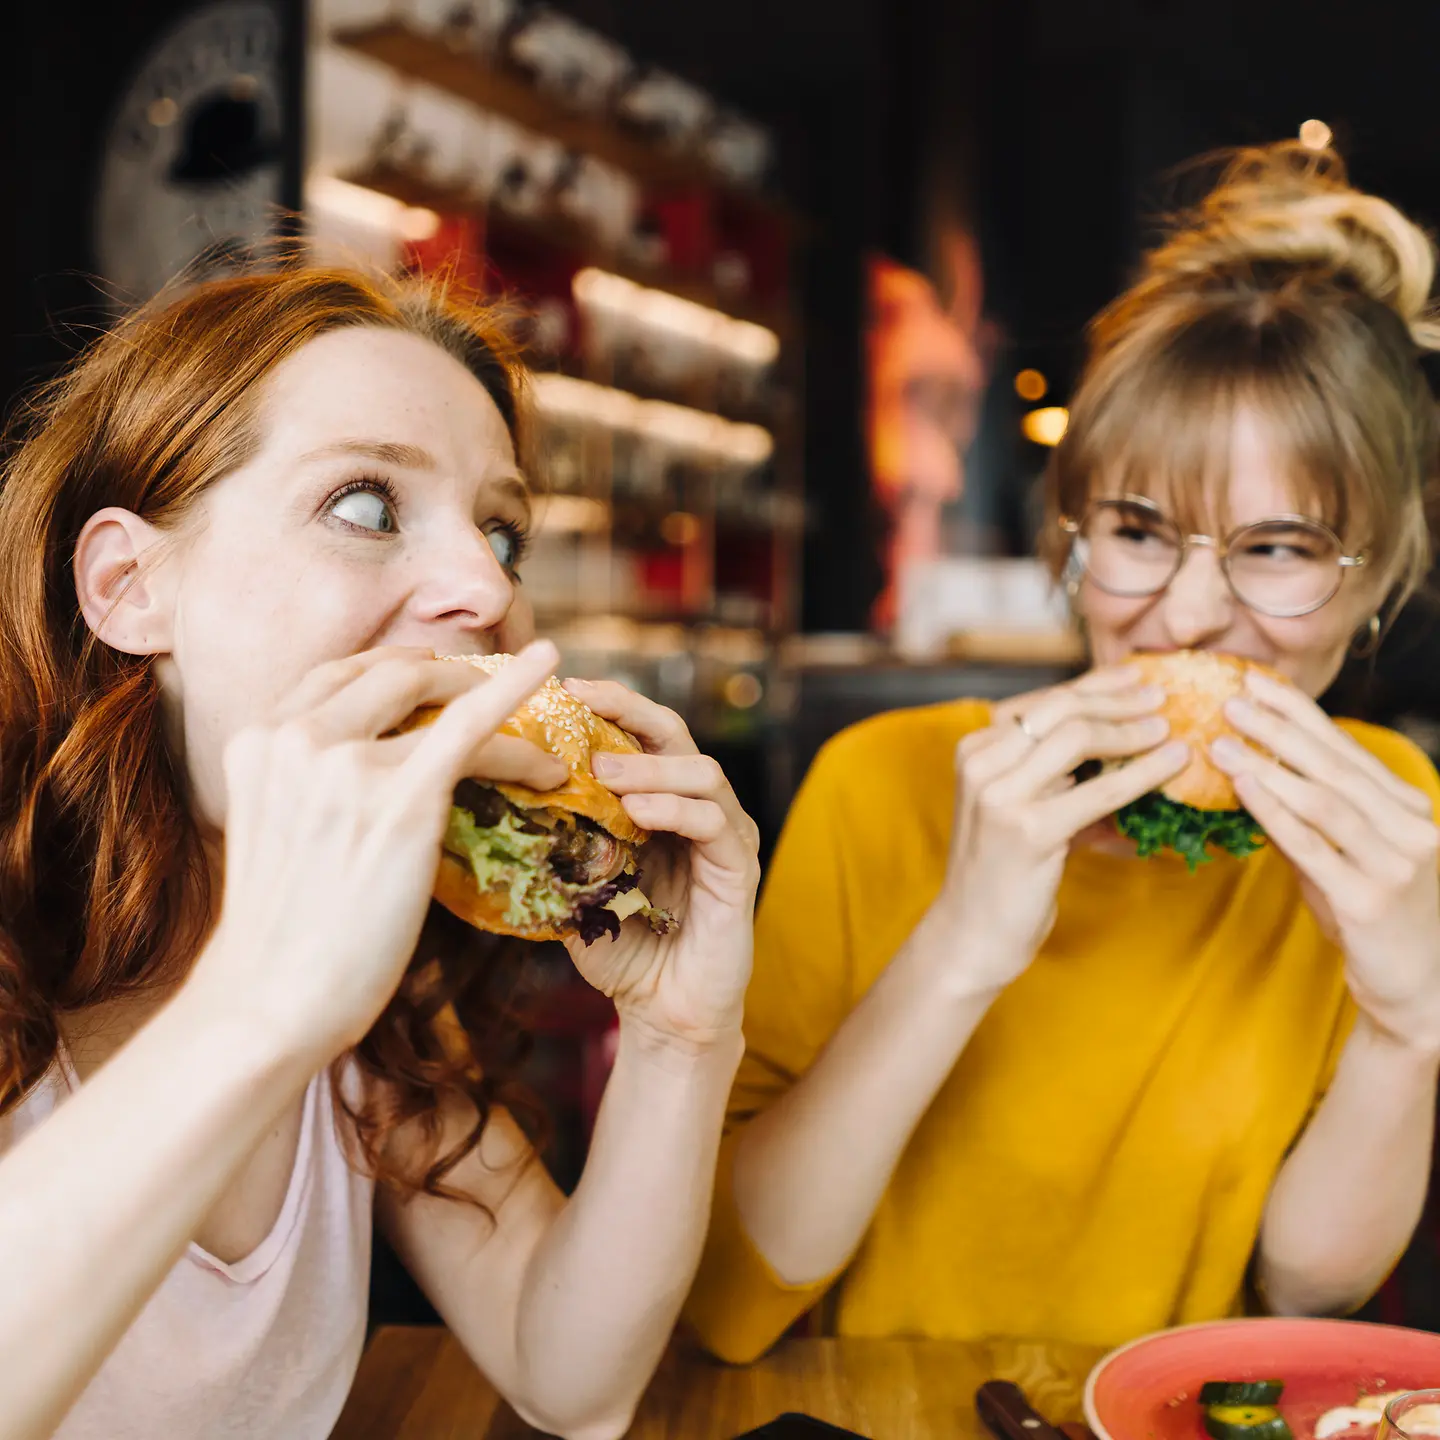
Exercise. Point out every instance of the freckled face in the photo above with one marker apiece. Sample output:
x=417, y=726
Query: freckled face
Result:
x=383, y=506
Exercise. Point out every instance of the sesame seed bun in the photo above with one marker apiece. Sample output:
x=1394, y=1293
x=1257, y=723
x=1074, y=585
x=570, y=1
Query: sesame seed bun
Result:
x=556, y=721
x=1197, y=683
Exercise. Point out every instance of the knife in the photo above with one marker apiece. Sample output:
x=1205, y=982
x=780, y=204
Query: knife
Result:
x=1009, y=1415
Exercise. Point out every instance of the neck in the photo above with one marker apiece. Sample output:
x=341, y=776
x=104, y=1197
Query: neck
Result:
x=94, y=1034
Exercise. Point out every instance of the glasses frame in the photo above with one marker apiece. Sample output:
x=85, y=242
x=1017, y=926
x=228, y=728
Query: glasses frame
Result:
x=1072, y=527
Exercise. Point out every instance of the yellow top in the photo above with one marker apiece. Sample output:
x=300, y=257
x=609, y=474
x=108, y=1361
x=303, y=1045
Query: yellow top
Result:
x=1096, y=1165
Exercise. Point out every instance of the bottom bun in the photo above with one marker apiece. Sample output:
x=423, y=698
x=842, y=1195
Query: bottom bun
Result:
x=456, y=890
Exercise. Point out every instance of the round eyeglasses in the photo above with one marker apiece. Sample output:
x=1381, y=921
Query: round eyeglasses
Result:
x=1283, y=566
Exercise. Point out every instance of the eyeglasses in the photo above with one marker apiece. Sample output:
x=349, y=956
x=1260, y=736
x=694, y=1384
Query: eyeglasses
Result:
x=1284, y=566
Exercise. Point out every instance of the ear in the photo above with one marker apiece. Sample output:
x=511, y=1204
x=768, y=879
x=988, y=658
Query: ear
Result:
x=120, y=581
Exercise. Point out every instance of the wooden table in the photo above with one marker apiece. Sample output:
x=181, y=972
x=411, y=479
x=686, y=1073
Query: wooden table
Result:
x=415, y=1383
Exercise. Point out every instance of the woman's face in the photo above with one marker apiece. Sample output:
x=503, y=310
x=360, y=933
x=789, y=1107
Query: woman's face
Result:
x=1199, y=611
x=383, y=506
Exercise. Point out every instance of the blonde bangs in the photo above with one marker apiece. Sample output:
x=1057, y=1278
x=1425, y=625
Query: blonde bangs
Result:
x=1156, y=416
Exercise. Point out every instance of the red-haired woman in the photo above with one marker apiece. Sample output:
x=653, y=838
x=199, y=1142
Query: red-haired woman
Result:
x=231, y=544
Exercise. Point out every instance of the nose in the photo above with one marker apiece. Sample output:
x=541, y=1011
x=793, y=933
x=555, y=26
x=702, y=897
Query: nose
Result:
x=1199, y=604
x=463, y=585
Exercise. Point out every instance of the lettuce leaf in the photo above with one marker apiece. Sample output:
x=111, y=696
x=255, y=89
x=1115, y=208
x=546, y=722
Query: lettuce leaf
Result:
x=505, y=856
x=1157, y=823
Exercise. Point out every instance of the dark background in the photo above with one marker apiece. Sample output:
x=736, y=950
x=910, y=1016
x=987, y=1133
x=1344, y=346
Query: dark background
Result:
x=1047, y=125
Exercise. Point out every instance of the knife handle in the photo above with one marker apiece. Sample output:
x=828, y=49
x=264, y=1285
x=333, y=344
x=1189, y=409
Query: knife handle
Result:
x=1009, y=1415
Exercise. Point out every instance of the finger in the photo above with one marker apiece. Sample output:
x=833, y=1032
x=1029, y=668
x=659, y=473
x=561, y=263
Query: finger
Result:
x=1348, y=768
x=1306, y=849
x=1107, y=679
x=1295, y=705
x=501, y=757
x=446, y=747
x=660, y=731
x=1378, y=840
x=1111, y=679
x=984, y=756
x=325, y=680
x=694, y=775
x=698, y=776
x=1072, y=743
x=1065, y=705
x=389, y=692
x=1093, y=800
x=700, y=821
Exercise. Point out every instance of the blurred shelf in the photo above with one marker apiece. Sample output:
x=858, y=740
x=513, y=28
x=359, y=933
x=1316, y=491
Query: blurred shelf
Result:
x=422, y=57
x=1016, y=647
x=566, y=236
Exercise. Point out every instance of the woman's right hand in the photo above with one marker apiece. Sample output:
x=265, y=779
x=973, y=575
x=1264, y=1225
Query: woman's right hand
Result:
x=332, y=835
x=1018, y=809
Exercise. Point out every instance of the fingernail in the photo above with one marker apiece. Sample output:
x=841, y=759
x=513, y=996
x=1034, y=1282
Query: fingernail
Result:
x=1157, y=726
x=1152, y=695
x=1174, y=752
x=606, y=766
x=574, y=684
x=1240, y=711
x=1260, y=682
x=1227, y=752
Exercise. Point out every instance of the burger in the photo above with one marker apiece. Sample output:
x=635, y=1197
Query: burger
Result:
x=543, y=865
x=1197, y=814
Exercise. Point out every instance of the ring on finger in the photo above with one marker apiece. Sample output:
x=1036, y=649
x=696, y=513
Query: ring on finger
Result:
x=1023, y=721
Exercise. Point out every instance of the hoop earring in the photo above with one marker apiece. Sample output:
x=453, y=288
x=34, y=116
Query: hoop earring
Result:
x=1366, y=641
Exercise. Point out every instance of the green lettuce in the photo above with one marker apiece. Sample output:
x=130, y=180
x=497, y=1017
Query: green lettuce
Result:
x=505, y=856
x=1157, y=823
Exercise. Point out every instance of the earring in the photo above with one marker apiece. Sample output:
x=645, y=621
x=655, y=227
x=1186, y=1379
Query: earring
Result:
x=1072, y=575
x=1366, y=641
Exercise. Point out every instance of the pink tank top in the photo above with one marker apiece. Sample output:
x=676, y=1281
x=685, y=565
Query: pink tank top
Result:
x=266, y=1347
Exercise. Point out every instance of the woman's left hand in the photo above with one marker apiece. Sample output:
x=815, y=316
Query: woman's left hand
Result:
x=703, y=867
x=1365, y=844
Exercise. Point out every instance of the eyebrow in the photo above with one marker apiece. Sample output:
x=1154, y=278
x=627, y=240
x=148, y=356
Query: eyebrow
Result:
x=389, y=452
x=416, y=457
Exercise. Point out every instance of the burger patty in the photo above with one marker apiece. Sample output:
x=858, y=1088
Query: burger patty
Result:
x=587, y=855
x=583, y=854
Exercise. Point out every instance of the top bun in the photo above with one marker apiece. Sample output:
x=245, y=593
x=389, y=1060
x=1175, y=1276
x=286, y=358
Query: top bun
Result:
x=1197, y=683
x=1291, y=208
x=567, y=728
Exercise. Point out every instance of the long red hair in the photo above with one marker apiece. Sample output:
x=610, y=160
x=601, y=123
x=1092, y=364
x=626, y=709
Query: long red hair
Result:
x=104, y=890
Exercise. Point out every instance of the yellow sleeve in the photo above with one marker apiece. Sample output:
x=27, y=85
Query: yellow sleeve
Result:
x=798, y=996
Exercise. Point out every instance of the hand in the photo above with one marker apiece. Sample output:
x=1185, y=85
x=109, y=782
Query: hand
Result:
x=686, y=987
x=1365, y=845
x=332, y=835
x=1018, y=809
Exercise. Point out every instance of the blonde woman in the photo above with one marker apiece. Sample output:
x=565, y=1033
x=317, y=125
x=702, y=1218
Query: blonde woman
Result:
x=1004, y=1077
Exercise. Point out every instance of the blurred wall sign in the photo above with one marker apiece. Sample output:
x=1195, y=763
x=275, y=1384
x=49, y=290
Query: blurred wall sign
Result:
x=191, y=160
x=927, y=371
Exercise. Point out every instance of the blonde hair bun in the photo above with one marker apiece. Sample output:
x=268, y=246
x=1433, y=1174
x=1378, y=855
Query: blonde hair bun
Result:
x=1285, y=205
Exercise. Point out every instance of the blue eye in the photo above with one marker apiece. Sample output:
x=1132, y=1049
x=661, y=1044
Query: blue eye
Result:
x=366, y=508
x=507, y=545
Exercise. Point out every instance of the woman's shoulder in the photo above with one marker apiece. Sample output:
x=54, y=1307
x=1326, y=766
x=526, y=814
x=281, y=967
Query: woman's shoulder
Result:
x=37, y=1104
x=894, y=750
